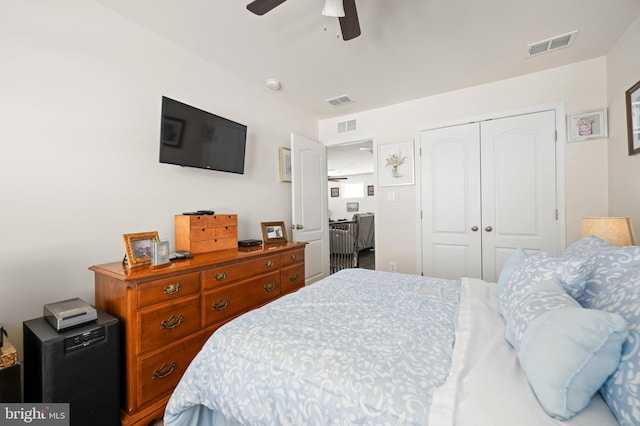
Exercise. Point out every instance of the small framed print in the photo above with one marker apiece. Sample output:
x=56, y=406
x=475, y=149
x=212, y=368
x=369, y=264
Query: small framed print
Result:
x=353, y=206
x=138, y=247
x=335, y=192
x=273, y=232
x=370, y=190
x=395, y=165
x=587, y=125
x=285, y=164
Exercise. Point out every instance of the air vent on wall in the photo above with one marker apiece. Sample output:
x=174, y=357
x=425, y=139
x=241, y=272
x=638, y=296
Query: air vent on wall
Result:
x=346, y=126
x=339, y=100
x=558, y=42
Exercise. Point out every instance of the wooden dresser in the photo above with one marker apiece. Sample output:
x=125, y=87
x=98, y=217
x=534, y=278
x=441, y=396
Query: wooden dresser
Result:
x=167, y=312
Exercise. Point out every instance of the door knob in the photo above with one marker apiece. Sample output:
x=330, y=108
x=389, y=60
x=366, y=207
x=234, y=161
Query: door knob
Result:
x=474, y=228
x=488, y=229
x=299, y=226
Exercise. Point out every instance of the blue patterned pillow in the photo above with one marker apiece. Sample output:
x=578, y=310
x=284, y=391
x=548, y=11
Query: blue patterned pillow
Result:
x=539, y=268
x=622, y=390
x=567, y=352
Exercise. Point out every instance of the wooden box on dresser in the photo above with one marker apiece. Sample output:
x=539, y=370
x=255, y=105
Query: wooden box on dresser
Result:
x=167, y=312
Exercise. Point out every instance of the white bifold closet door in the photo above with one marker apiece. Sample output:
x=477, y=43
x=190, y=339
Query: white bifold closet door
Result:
x=487, y=188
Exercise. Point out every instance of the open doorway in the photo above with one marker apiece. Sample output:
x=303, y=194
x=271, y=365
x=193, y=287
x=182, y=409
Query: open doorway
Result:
x=352, y=203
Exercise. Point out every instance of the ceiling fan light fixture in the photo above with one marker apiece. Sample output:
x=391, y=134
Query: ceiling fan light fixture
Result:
x=333, y=8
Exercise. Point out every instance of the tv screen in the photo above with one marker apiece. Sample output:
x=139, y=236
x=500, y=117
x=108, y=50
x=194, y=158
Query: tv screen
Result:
x=195, y=138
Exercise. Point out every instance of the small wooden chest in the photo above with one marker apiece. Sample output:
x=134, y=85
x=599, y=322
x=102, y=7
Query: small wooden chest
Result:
x=205, y=233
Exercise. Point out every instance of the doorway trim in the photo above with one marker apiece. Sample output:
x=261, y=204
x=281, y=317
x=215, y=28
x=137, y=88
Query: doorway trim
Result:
x=561, y=140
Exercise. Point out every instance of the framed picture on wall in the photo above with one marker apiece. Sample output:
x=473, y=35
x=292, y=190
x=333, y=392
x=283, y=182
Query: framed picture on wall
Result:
x=335, y=192
x=370, y=190
x=633, y=118
x=395, y=165
x=285, y=164
x=587, y=125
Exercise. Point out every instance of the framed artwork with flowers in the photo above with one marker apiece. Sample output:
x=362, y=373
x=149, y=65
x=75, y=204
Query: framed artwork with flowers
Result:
x=395, y=163
x=587, y=125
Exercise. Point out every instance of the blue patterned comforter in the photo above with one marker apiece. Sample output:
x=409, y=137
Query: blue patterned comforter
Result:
x=359, y=347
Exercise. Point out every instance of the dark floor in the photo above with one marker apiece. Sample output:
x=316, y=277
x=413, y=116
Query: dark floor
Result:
x=367, y=259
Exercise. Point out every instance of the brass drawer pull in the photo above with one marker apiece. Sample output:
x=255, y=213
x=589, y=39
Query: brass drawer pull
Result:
x=293, y=277
x=221, y=276
x=172, y=288
x=270, y=286
x=268, y=264
x=172, y=322
x=220, y=304
x=294, y=257
x=164, y=371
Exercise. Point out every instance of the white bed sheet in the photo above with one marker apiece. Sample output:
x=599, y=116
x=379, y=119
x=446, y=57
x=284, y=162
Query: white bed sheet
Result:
x=486, y=386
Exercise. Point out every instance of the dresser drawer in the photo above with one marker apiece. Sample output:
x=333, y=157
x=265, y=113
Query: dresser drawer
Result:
x=162, y=326
x=197, y=247
x=170, y=288
x=159, y=373
x=292, y=278
x=211, y=221
x=204, y=234
x=292, y=257
x=231, y=300
x=214, y=277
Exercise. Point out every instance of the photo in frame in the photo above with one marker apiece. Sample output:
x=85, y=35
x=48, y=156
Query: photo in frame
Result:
x=587, y=125
x=273, y=232
x=633, y=118
x=335, y=191
x=370, y=191
x=285, y=164
x=395, y=165
x=138, y=247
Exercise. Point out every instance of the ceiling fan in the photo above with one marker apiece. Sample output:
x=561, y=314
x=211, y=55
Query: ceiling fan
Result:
x=344, y=10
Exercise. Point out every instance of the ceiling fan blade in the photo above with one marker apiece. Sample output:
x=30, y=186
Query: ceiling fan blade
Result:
x=349, y=24
x=260, y=7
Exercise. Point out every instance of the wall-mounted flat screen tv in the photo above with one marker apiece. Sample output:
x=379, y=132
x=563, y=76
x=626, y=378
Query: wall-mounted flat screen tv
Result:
x=192, y=137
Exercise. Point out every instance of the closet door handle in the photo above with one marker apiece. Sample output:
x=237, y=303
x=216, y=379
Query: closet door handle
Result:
x=474, y=228
x=488, y=229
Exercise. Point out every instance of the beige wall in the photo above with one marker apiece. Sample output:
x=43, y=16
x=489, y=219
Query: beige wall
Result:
x=580, y=86
x=623, y=71
x=80, y=98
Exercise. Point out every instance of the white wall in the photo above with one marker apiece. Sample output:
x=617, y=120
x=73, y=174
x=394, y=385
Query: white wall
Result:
x=623, y=71
x=581, y=86
x=80, y=99
x=338, y=205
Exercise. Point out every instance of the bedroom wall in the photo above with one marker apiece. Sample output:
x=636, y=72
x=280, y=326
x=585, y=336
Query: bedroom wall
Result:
x=338, y=205
x=581, y=86
x=623, y=71
x=81, y=91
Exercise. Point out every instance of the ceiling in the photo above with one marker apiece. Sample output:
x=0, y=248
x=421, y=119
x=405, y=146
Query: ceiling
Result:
x=350, y=159
x=408, y=48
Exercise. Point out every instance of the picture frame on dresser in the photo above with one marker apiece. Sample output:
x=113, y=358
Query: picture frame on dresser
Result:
x=138, y=247
x=273, y=232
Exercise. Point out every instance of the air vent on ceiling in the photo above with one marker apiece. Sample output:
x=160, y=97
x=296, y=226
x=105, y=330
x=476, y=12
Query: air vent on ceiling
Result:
x=558, y=42
x=346, y=126
x=340, y=100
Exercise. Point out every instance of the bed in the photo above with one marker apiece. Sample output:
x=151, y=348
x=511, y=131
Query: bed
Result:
x=371, y=347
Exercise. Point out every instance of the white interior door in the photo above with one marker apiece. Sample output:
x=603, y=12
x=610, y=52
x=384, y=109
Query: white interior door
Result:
x=518, y=188
x=487, y=189
x=450, y=164
x=310, y=221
